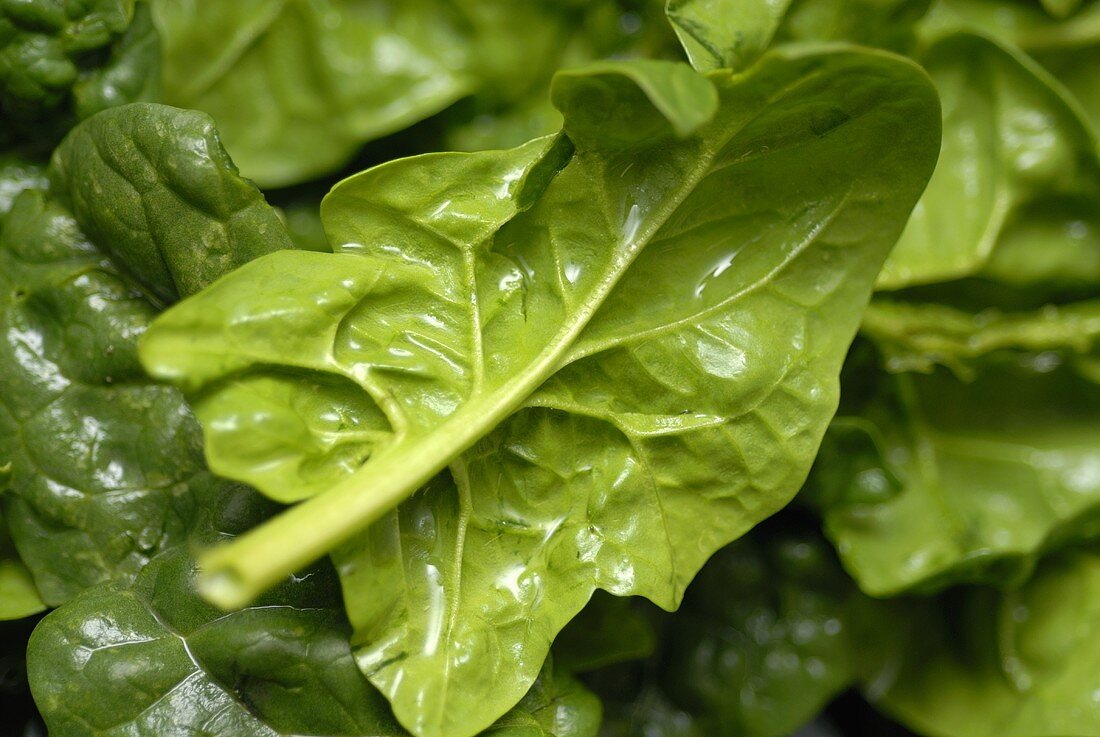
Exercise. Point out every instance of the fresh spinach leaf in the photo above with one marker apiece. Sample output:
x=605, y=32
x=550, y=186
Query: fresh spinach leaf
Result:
x=978, y=663
x=1016, y=154
x=988, y=475
x=18, y=596
x=107, y=466
x=283, y=667
x=538, y=329
x=47, y=49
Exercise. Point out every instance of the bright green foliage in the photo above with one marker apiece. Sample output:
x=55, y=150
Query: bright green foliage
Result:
x=979, y=663
x=281, y=668
x=18, y=595
x=1019, y=164
x=107, y=467
x=484, y=316
x=725, y=34
x=990, y=474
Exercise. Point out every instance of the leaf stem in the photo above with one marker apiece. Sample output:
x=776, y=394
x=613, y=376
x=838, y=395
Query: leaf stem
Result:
x=233, y=574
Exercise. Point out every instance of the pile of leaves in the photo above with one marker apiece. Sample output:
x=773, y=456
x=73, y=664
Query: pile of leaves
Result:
x=550, y=368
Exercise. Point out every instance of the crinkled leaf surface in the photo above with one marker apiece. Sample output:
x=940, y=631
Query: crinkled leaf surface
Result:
x=152, y=186
x=622, y=367
x=107, y=466
x=46, y=48
x=1019, y=664
x=1015, y=154
x=283, y=667
x=967, y=481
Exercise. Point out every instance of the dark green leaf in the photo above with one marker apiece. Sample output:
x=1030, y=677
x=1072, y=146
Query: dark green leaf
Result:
x=152, y=186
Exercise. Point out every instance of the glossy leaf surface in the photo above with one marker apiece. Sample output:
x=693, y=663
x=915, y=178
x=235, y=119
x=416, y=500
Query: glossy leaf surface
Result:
x=535, y=334
x=1015, y=154
x=281, y=668
x=107, y=466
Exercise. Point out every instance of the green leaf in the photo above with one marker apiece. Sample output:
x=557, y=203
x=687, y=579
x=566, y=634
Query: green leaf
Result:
x=107, y=467
x=17, y=174
x=888, y=24
x=769, y=631
x=918, y=337
x=154, y=187
x=1015, y=154
x=46, y=48
x=535, y=334
x=1025, y=663
x=130, y=74
x=283, y=667
x=297, y=85
x=725, y=34
x=992, y=474
x=18, y=596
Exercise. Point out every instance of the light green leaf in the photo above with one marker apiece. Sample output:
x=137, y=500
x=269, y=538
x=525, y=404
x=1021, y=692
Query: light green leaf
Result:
x=18, y=596
x=1015, y=154
x=992, y=474
x=725, y=34
x=917, y=337
x=535, y=334
x=174, y=216
x=1026, y=663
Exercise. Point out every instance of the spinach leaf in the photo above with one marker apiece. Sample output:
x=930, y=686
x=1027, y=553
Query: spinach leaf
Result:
x=981, y=663
x=987, y=475
x=559, y=327
x=107, y=466
x=18, y=596
x=154, y=186
x=770, y=630
x=725, y=34
x=47, y=49
x=732, y=34
x=1016, y=154
x=282, y=667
